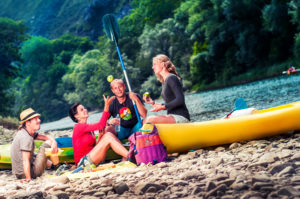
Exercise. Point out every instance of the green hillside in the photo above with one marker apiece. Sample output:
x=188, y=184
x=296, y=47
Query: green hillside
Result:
x=56, y=17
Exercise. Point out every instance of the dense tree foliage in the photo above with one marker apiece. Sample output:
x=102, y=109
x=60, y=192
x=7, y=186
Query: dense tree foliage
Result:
x=211, y=42
x=45, y=63
x=68, y=45
x=12, y=34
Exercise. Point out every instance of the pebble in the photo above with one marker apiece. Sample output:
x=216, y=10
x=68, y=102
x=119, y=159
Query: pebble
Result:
x=267, y=168
x=120, y=188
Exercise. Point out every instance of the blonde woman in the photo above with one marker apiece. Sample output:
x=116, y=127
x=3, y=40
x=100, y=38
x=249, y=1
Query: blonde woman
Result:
x=172, y=93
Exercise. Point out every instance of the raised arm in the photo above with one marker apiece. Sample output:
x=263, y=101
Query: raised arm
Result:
x=140, y=106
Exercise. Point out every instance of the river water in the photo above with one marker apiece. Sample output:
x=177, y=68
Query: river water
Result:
x=214, y=104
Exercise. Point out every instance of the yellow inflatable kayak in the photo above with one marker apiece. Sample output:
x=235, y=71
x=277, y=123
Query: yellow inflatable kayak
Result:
x=267, y=122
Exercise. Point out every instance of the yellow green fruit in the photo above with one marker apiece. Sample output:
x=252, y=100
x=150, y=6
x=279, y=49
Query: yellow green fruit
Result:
x=146, y=94
x=110, y=78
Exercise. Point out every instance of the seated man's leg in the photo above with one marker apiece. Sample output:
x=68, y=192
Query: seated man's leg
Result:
x=123, y=133
x=40, y=161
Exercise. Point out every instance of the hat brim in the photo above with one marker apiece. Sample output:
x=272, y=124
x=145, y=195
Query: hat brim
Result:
x=33, y=116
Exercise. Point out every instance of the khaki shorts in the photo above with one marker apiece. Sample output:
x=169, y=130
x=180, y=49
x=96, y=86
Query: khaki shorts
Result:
x=39, y=164
x=180, y=119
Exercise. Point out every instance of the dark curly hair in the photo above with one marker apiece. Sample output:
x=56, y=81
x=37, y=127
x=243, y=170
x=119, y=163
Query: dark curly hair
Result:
x=73, y=111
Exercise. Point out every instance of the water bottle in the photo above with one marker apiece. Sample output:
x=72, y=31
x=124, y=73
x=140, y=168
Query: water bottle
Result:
x=117, y=126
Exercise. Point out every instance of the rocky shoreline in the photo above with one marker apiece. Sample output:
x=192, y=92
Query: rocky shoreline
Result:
x=266, y=168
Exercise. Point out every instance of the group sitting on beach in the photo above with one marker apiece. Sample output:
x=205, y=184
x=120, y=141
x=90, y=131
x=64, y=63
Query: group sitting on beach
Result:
x=89, y=151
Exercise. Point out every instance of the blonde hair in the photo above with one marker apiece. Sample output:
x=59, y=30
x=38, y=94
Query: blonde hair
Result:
x=168, y=65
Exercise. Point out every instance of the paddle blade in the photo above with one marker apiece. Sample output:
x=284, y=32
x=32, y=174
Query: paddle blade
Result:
x=111, y=27
x=240, y=104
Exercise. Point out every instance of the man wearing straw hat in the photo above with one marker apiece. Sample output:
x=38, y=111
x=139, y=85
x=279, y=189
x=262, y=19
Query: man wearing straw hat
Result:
x=25, y=164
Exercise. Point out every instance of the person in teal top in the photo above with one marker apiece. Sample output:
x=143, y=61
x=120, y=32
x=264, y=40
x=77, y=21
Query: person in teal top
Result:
x=123, y=108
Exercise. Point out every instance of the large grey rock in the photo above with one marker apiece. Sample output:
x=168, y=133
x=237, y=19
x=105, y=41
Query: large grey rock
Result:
x=143, y=187
x=88, y=192
x=33, y=195
x=260, y=178
x=99, y=194
x=60, y=179
x=196, y=190
x=61, y=187
x=209, y=186
x=266, y=159
x=295, y=157
x=120, y=188
x=180, y=183
x=220, y=177
x=260, y=185
x=285, y=153
x=276, y=168
x=252, y=195
x=105, y=189
x=238, y=186
x=227, y=182
x=288, y=191
x=287, y=171
x=107, y=182
x=62, y=195
x=235, y=145
x=214, y=192
x=191, y=174
x=295, y=180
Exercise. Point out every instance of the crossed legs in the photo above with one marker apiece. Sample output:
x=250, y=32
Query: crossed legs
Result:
x=107, y=140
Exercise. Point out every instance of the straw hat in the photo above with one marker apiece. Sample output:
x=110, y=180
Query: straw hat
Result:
x=27, y=115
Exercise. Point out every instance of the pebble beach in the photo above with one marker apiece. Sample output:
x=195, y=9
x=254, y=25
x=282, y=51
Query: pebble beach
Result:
x=265, y=168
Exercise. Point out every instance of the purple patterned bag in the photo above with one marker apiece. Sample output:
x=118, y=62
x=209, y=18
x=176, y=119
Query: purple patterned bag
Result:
x=147, y=148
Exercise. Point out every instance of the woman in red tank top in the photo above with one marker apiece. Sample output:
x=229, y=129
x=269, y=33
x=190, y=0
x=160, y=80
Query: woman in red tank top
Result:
x=86, y=148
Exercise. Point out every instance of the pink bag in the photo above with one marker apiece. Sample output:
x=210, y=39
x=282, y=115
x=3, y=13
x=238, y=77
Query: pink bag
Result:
x=147, y=148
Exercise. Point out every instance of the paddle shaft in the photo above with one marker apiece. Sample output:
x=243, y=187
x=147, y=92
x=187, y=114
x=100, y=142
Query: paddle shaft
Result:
x=112, y=30
x=128, y=84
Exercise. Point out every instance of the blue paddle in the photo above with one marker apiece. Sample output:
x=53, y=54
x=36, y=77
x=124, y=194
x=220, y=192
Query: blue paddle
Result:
x=112, y=31
x=239, y=104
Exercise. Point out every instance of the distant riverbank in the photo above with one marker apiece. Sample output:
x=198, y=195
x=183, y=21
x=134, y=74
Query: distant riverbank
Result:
x=212, y=104
x=239, y=82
